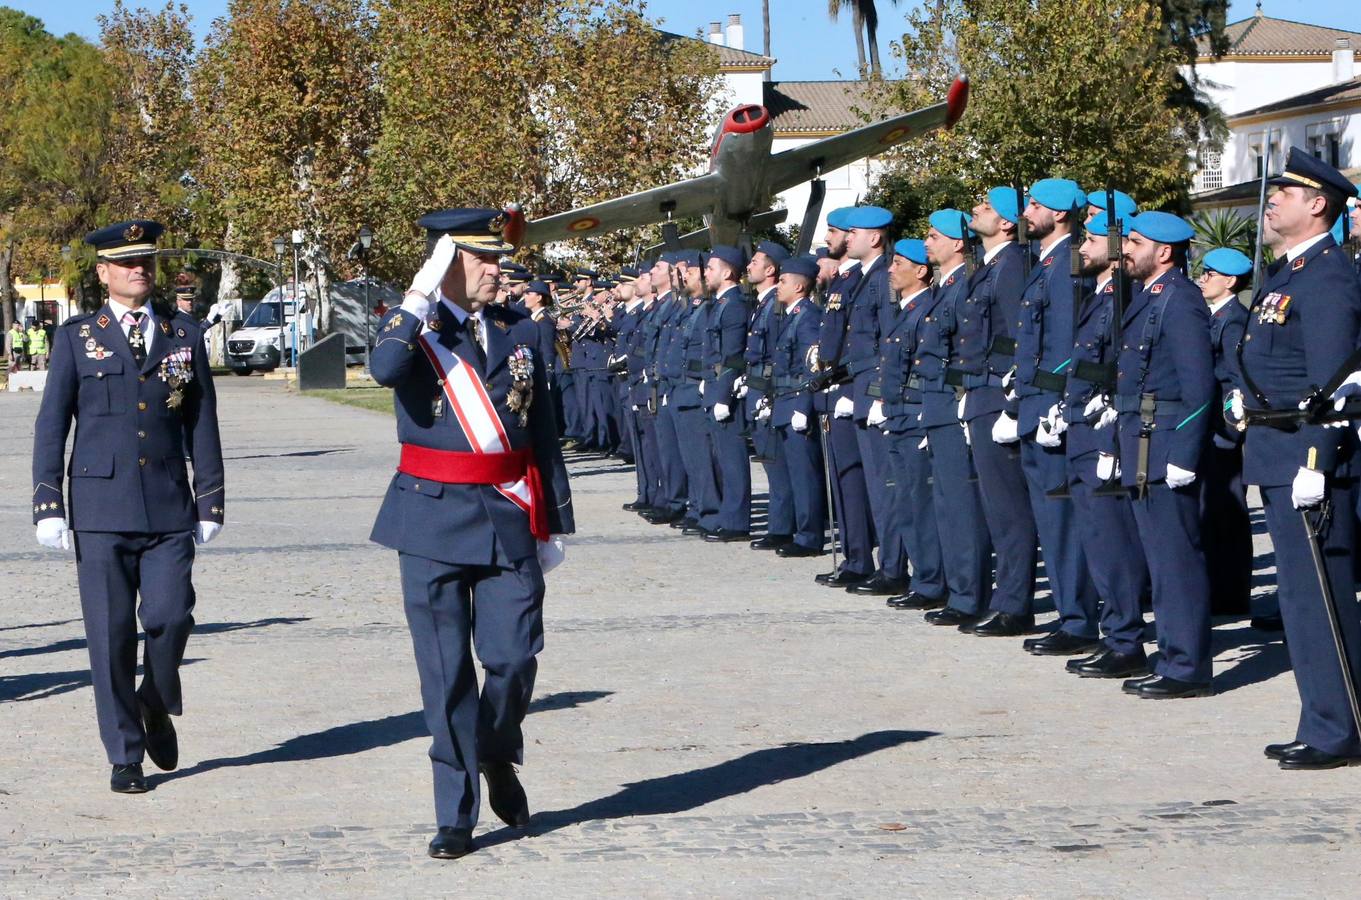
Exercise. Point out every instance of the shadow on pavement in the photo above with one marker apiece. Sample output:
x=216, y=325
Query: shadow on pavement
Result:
x=685, y=791
x=294, y=453
x=38, y=625
x=358, y=737
x=41, y=685
x=199, y=631
x=1261, y=658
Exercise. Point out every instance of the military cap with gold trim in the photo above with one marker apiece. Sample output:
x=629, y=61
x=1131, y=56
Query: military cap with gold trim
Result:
x=125, y=240
x=1306, y=170
x=475, y=230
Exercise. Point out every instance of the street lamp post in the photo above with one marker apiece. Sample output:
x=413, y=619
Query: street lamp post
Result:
x=297, y=290
x=280, y=246
x=365, y=243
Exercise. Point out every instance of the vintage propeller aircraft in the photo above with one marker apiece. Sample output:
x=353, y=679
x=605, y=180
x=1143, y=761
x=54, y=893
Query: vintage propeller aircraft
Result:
x=734, y=197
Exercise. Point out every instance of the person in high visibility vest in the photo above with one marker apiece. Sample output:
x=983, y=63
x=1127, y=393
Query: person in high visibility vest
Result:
x=37, y=347
x=15, y=339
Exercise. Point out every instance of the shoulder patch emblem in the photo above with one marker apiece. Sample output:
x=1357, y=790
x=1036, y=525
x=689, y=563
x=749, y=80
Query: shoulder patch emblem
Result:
x=180, y=332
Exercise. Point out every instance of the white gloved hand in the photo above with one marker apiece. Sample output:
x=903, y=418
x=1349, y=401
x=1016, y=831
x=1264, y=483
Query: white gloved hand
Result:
x=924, y=444
x=1100, y=406
x=844, y=409
x=1309, y=488
x=721, y=412
x=417, y=305
x=1107, y=467
x=798, y=421
x=1045, y=437
x=53, y=532
x=701, y=389
x=1057, y=424
x=959, y=408
x=741, y=385
x=432, y=273
x=206, y=531
x=968, y=439
x=1004, y=430
x=1009, y=384
x=645, y=376
x=551, y=553
x=1233, y=410
x=1177, y=477
x=876, y=415
x=664, y=396
x=763, y=412
x=1347, y=389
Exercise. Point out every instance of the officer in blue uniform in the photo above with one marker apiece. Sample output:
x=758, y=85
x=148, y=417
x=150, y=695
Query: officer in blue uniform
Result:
x=638, y=400
x=1225, y=525
x=1302, y=327
x=1105, y=517
x=462, y=538
x=1044, y=344
x=982, y=352
x=959, y=511
x=896, y=398
x=845, y=469
x=871, y=310
x=1165, y=396
x=791, y=337
x=763, y=273
x=624, y=320
x=134, y=378
x=692, y=426
x=666, y=370
x=725, y=341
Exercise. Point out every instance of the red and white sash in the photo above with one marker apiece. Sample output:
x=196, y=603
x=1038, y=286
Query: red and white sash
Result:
x=476, y=413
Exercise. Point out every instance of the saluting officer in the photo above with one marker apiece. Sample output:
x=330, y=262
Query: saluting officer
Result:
x=1302, y=327
x=474, y=512
x=725, y=340
x=135, y=379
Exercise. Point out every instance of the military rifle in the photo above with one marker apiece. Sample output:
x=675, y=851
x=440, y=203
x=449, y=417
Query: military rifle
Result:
x=1115, y=254
x=1023, y=233
x=1075, y=239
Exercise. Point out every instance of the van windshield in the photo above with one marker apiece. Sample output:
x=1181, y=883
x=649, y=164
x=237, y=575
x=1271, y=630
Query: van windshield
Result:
x=265, y=315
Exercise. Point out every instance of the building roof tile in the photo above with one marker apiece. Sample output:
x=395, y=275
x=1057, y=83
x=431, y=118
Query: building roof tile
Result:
x=1265, y=36
x=1332, y=93
x=814, y=106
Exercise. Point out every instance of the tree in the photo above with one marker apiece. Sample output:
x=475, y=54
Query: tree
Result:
x=834, y=8
x=864, y=18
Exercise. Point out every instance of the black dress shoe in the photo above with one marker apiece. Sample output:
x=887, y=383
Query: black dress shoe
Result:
x=725, y=536
x=694, y=530
x=636, y=506
x=1163, y=688
x=1306, y=758
x=839, y=579
x=772, y=542
x=162, y=747
x=127, y=779
x=684, y=522
x=1109, y=664
x=1060, y=643
x=914, y=600
x=451, y=843
x=798, y=551
x=950, y=616
x=1002, y=624
x=879, y=584
x=505, y=795
x=666, y=516
x=1279, y=751
x=1267, y=623
x=1132, y=686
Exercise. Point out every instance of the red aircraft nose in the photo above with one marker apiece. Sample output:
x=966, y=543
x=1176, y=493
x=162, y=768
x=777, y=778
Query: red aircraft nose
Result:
x=745, y=119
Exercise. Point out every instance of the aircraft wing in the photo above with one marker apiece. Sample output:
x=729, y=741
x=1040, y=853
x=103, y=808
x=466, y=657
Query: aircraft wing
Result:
x=803, y=163
x=691, y=197
x=702, y=239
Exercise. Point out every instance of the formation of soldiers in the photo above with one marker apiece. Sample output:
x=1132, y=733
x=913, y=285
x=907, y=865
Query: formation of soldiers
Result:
x=1036, y=378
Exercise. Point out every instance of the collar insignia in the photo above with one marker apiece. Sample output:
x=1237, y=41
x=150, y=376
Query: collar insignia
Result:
x=180, y=332
x=103, y=322
x=1297, y=264
x=1048, y=260
x=1156, y=289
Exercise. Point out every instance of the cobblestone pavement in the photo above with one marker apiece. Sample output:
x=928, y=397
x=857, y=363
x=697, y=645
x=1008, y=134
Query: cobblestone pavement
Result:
x=708, y=722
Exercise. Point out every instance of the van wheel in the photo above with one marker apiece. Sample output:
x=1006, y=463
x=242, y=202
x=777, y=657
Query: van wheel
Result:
x=245, y=371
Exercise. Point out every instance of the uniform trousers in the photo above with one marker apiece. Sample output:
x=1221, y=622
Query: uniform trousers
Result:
x=602, y=424
x=1325, y=716
x=850, y=496
x=112, y=569
x=625, y=416
x=728, y=444
x=1169, y=529
x=874, y=455
x=500, y=612
x=916, y=510
x=966, y=548
x=780, y=491
x=672, y=477
x=571, y=388
x=692, y=430
x=646, y=460
x=1226, y=530
x=1115, y=559
x=1065, y=565
x=801, y=458
x=1006, y=508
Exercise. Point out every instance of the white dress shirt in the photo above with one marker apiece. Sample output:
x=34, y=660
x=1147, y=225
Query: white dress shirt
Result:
x=148, y=322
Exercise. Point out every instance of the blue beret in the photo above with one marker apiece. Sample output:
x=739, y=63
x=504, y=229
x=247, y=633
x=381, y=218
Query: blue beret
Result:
x=868, y=217
x=1306, y=170
x=950, y=222
x=538, y=287
x=807, y=266
x=687, y=258
x=473, y=229
x=837, y=218
x=776, y=252
x=1003, y=199
x=912, y=250
x=1100, y=224
x=1162, y=227
x=1058, y=194
x=729, y=254
x=1124, y=203
x=124, y=240
x=822, y=253
x=1227, y=261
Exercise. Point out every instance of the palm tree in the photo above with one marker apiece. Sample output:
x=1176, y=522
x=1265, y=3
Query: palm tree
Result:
x=765, y=31
x=865, y=19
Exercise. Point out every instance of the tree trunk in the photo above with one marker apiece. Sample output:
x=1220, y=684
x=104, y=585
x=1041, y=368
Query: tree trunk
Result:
x=765, y=32
x=872, y=33
x=858, y=21
x=7, y=293
x=228, y=300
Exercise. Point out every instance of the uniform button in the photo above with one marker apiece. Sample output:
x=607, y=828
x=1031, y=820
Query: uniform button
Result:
x=141, y=405
x=141, y=435
x=141, y=460
x=99, y=374
x=1248, y=337
x=416, y=486
x=141, y=378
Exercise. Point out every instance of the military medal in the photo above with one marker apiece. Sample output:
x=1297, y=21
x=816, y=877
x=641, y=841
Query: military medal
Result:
x=834, y=302
x=437, y=407
x=90, y=344
x=85, y=330
x=521, y=393
x=176, y=371
x=180, y=332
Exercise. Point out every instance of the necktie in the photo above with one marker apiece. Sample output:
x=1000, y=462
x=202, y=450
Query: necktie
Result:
x=474, y=326
x=136, y=340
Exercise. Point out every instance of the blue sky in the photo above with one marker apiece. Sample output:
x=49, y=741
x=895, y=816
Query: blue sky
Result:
x=806, y=44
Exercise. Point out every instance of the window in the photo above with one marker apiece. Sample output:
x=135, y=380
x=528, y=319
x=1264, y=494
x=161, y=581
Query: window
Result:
x=1324, y=141
x=1210, y=172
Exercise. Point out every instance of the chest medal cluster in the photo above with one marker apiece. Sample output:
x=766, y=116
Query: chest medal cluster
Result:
x=521, y=393
x=177, y=371
x=1274, y=309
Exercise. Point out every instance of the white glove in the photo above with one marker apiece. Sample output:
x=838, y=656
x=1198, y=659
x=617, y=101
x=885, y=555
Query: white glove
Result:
x=876, y=416
x=798, y=421
x=428, y=279
x=763, y=412
x=1004, y=430
x=924, y=444
x=664, y=396
x=968, y=440
x=1233, y=409
x=1100, y=404
x=741, y=385
x=1349, y=388
x=844, y=409
x=1009, y=384
x=701, y=389
x=1045, y=437
x=206, y=531
x=1308, y=489
x=53, y=532
x=1107, y=467
x=959, y=409
x=645, y=376
x=721, y=412
x=1057, y=425
x=551, y=553
x=1177, y=477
